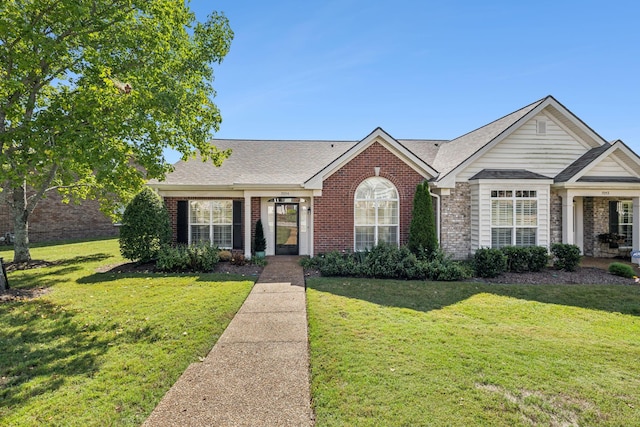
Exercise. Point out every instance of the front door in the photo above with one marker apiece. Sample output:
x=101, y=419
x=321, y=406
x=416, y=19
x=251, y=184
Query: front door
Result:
x=287, y=222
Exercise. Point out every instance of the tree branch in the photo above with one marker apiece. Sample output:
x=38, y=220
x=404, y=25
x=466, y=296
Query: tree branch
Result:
x=33, y=200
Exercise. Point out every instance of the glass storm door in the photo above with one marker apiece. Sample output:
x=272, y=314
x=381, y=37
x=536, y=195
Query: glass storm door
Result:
x=287, y=222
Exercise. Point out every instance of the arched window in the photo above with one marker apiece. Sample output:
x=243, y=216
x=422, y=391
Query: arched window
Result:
x=377, y=217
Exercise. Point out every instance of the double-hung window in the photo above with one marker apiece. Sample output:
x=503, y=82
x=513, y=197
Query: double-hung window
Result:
x=211, y=222
x=514, y=218
x=621, y=220
x=376, y=213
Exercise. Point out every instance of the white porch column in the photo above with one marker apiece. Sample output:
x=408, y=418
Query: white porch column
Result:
x=247, y=225
x=579, y=223
x=636, y=223
x=568, y=235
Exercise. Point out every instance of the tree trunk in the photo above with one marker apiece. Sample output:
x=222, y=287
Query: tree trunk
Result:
x=20, y=225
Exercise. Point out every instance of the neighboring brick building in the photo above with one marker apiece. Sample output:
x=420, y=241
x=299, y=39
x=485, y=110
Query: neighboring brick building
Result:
x=536, y=176
x=54, y=220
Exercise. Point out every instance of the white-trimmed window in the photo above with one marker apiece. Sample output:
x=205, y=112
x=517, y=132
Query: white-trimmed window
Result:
x=377, y=216
x=621, y=220
x=514, y=218
x=211, y=221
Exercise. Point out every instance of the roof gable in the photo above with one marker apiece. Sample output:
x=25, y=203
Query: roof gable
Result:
x=609, y=162
x=387, y=141
x=459, y=153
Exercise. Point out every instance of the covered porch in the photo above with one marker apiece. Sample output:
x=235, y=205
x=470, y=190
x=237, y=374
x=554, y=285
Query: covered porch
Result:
x=602, y=220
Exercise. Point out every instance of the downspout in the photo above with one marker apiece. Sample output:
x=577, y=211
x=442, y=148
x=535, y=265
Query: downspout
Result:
x=437, y=196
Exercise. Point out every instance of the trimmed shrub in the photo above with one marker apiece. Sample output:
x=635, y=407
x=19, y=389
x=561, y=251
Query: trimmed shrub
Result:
x=201, y=258
x=145, y=227
x=565, y=256
x=423, y=236
x=517, y=258
x=238, y=259
x=620, y=269
x=173, y=259
x=385, y=261
x=538, y=258
x=225, y=256
x=335, y=263
x=259, y=242
x=489, y=262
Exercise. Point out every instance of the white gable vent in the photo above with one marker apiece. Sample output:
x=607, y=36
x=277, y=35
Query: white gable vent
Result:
x=541, y=127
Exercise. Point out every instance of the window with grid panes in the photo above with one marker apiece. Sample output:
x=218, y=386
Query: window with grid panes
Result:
x=376, y=213
x=211, y=221
x=514, y=218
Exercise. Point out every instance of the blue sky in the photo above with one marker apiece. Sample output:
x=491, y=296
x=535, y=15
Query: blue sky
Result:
x=423, y=69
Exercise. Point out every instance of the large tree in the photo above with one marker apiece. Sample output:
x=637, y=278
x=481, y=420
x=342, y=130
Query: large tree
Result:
x=93, y=91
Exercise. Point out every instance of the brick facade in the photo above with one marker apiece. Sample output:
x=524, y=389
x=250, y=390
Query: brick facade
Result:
x=455, y=221
x=54, y=220
x=333, y=213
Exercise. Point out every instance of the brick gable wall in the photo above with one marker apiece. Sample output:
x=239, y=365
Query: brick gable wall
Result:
x=54, y=220
x=333, y=212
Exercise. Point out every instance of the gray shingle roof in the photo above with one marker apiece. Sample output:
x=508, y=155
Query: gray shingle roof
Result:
x=507, y=174
x=609, y=179
x=453, y=153
x=581, y=163
x=254, y=162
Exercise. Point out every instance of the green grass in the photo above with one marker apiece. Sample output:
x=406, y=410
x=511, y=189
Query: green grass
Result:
x=103, y=348
x=400, y=353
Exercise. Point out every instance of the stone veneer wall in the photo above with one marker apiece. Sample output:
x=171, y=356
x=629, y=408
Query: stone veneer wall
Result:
x=455, y=222
x=54, y=220
x=333, y=211
x=601, y=225
x=555, y=218
x=589, y=240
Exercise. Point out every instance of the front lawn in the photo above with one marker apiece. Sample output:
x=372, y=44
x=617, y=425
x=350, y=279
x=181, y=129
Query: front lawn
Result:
x=103, y=348
x=399, y=353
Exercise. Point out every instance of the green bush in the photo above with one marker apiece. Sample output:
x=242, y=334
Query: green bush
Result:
x=538, y=258
x=201, y=258
x=259, y=242
x=385, y=261
x=423, y=236
x=145, y=227
x=335, y=263
x=489, y=262
x=172, y=259
x=565, y=256
x=620, y=269
x=517, y=258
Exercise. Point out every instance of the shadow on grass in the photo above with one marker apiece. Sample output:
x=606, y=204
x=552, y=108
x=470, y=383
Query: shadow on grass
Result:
x=427, y=296
x=199, y=277
x=45, y=347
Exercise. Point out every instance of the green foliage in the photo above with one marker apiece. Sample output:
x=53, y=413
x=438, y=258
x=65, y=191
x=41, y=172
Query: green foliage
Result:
x=387, y=352
x=620, y=269
x=488, y=262
x=200, y=258
x=522, y=259
x=91, y=93
x=126, y=338
x=538, y=258
x=145, y=227
x=259, y=242
x=387, y=261
x=423, y=236
x=565, y=256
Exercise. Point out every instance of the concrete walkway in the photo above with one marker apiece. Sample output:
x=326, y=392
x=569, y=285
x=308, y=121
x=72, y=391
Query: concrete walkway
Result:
x=257, y=374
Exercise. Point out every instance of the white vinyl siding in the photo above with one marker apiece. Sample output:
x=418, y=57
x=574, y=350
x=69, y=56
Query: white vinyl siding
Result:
x=547, y=154
x=211, y=222
x=607, y=168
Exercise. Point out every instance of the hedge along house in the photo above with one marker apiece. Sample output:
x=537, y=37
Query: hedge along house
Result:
x=534, y=177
